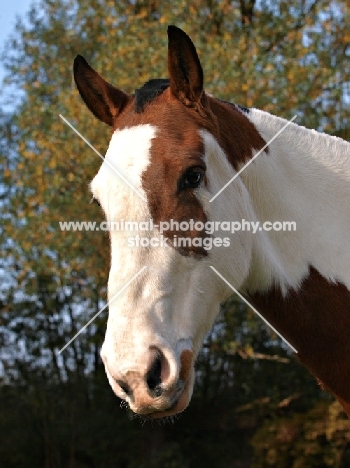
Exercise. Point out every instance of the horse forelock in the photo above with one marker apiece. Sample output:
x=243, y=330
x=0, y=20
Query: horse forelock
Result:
x=148, y=92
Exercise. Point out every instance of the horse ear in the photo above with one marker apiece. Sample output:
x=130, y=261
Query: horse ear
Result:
x=104, y=100
x=185, y=70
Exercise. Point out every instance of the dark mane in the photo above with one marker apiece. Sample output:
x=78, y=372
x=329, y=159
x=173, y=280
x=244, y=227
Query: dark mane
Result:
x=241, y=108
x=148, y=92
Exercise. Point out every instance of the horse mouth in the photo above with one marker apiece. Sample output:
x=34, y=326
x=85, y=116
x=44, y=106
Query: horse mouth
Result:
x=176, y=404
x=179, y=403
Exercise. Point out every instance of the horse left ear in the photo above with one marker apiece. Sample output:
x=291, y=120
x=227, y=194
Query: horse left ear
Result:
x=104, y=100
x=185, y=70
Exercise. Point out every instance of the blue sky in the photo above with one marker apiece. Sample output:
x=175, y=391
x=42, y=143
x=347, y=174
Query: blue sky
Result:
x=8, y=12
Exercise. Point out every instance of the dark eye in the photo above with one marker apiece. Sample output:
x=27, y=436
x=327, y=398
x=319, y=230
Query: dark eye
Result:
x=193, y=177
x=94, y=200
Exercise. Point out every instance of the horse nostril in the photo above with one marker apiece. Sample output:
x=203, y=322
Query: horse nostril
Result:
x=125, y=387
x=154, y=377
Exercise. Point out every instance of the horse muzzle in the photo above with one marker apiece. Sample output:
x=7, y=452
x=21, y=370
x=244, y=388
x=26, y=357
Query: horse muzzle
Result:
x=161, y=388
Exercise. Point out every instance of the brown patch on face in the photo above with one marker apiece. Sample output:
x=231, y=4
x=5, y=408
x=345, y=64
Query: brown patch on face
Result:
x=178, y=147
x=186, y=360
x=316, y=321
x=175, y=150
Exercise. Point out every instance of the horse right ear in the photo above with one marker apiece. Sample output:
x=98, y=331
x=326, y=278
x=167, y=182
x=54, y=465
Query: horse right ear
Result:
x=185, y=70
x=104, y=100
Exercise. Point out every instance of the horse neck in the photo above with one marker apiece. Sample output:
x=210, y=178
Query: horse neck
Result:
x=305, y=177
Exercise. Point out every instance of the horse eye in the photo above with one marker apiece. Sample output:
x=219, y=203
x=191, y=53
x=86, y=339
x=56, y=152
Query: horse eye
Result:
x=94, y=200
x=193, y=178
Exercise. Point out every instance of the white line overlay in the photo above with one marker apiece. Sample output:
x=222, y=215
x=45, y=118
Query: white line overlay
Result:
x=103, y=308
x=103, y=159
x=253, y=308
x=251, y=160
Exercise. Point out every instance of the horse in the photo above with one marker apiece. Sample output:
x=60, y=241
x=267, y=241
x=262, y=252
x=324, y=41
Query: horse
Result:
x=169, y=167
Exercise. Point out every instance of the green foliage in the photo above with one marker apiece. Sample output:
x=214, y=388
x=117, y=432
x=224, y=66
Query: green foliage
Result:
x=318, y=438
